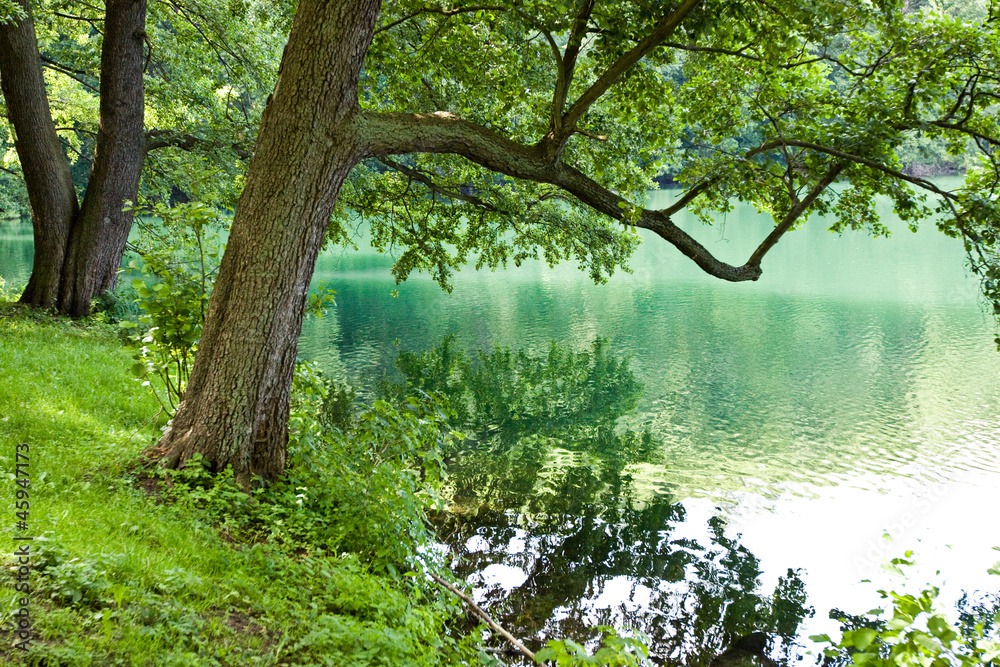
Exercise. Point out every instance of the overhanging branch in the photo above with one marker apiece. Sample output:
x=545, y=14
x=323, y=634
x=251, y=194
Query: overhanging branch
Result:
x=794, y=214
x=383, y=134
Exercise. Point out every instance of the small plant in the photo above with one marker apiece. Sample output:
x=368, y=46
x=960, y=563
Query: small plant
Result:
x=116, y=306
x=918, y=634
x=179, y=254
x=8, y=292
x=615, y=651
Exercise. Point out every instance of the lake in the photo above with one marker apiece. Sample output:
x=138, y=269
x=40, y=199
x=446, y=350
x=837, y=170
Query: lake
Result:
x=849, y=393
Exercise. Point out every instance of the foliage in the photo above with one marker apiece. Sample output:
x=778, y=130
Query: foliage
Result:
x=615, y=650
x=8, y=292
x=210, y=69
x=757, y=107
x=179, y=252
x=918, y=634
x=439, y=233
x=118, y=305
x=359, y=480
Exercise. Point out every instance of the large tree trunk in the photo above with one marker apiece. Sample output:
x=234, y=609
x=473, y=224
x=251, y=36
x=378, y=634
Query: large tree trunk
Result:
x=97, y=240
x=235, y=408
x=77, y=251
x=46, y=171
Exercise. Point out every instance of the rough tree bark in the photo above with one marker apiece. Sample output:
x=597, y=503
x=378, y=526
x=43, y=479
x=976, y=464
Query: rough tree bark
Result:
x=235, y=408
x=78, y=250
x=97, y=240
x=46, y=172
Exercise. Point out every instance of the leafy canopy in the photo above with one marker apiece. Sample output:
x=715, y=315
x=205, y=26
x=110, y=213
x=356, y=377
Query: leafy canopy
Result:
x=765, y=102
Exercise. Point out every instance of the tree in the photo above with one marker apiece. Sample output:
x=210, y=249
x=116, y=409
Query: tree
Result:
x=546, y=121
x=78, y=248
x=79, y=245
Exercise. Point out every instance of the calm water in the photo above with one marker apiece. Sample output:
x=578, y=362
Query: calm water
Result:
x=852, y=391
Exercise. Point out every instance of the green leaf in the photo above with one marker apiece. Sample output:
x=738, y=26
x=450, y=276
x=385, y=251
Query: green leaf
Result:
x=898, y=623
x=927, y=642
x=546, y=654
x=863, y=638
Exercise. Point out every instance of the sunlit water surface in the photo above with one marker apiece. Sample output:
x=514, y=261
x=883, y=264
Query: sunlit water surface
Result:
x=851, y=392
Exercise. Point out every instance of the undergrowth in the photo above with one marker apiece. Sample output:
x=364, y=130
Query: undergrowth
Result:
x=133, y=567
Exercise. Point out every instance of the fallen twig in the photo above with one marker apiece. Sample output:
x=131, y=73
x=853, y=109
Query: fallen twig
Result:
x=477, y=610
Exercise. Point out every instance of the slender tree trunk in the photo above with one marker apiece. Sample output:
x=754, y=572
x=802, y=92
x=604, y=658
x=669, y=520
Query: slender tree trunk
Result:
x=46, y=171
x=235, y=408
x=97, y=240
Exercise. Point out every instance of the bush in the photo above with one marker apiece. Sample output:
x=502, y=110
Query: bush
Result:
x=359, y=480
x=179, y=253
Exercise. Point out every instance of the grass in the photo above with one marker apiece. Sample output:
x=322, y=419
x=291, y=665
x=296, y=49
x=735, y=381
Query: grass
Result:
x=124, y=573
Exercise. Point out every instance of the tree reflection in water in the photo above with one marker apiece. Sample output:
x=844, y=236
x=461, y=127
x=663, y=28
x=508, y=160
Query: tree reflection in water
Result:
x=570, y=524
x=544, y=488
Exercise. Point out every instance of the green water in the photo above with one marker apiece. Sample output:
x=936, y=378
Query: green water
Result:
x=16, y=248
x=852, y=391
x=850, y=355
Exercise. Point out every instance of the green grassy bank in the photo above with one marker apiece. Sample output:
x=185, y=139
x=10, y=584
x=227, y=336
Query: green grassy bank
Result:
x=128, y=569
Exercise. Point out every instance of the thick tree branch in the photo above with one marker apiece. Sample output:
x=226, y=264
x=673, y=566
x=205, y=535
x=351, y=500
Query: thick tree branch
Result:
x=565, y=75
x=688, y=197
x=618, y=69
x=793, y=214
x=382, y=134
